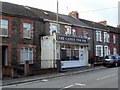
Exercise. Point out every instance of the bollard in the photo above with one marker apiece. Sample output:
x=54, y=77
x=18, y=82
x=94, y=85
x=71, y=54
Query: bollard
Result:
x=26, y=68
x=59, y=68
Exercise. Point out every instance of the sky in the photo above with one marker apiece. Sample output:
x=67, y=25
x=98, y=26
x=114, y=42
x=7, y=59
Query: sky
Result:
x=93, y=10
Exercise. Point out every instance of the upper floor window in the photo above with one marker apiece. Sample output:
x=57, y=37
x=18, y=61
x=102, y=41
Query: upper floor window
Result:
x=85, y=34
x=114, y=39
x=98, y=36
x=4, y=27
x=68, y=30
x=106, y=37
x=73, y=32
x=27, y=28
x=53, y=28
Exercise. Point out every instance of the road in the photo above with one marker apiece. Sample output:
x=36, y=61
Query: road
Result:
x=103, y=78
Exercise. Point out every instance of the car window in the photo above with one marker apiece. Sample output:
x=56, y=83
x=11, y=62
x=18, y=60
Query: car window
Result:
x=114, y=57
x=118, y=57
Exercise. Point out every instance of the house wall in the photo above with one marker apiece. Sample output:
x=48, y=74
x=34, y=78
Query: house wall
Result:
x=16, y=38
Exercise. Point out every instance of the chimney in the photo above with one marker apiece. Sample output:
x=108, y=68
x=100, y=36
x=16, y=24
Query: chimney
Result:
x=103, y=22
x=118, y=26
x=74, y=14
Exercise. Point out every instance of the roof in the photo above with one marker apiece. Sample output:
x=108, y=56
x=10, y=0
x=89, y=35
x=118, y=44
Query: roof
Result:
x=46, y=14
x=14, y=9
x=94, y=24
x=72, y=20
x=100, y=26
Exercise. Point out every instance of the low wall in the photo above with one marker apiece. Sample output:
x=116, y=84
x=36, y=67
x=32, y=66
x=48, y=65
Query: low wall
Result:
x=8, y=71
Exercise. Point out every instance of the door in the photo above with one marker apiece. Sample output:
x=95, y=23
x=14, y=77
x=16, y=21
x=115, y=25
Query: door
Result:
x=4, y=55
x=82, y=56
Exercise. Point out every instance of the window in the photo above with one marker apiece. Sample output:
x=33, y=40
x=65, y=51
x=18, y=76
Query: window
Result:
x=53, y=28
x=99, y=50
x=106, y=37
x=27, y=28
x=85, y=34
x=68, y=30
x=106, y=51
x=73, y=32
x=4, y=27
x=114, y=39
x=69, y=53
x=26, y=54
x=114, y=51
x=98, y=36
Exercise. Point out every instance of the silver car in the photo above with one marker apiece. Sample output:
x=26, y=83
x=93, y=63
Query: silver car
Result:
x=112, y=60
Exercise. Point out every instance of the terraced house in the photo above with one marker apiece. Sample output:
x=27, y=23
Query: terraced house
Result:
x=105, y=39
x=19, y=39
x=33, y=35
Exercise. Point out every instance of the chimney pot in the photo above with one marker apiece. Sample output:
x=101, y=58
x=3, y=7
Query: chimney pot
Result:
x=103, y=22
x=74, y=14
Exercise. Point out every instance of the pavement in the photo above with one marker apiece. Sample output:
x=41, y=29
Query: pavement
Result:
x=11, y=81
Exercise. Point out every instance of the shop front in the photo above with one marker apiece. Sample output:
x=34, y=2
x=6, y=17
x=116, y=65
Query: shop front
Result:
x=73, y=51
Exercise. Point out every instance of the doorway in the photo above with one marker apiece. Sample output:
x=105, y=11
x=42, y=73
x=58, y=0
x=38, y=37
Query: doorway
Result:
x=4, y=55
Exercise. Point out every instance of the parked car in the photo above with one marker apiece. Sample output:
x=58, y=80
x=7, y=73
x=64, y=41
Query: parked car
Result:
x=112, y=60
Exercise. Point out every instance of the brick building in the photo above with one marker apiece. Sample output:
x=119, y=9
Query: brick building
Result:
x=31, y=34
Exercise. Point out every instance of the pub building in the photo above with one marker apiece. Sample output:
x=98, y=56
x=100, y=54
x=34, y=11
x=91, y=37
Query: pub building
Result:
x=71, y=51
x=67, y=44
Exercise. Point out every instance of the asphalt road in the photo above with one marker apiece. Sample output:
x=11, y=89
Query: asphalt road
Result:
x=103, y=78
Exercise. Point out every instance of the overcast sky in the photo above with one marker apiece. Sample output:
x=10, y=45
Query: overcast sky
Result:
x=94, y=10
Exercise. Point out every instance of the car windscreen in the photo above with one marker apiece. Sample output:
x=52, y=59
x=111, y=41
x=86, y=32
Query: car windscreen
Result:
x=114, y=57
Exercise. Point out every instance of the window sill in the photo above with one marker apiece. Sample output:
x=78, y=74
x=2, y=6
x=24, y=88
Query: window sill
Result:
x=27, y=38
x=5, y=36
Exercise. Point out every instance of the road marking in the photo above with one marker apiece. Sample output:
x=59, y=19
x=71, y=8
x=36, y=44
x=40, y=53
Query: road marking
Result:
x=106, y=77
x=68, y=86
x=44, y=80
x=79, y=84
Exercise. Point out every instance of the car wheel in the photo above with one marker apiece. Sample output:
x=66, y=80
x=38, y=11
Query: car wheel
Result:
x=116, y=64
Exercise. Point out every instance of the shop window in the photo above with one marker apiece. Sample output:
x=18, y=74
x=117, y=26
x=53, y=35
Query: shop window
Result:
x=69, y=53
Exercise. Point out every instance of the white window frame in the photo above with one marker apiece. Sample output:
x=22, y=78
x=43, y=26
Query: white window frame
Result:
x=28, y=30
x=106, y=51
x=99, y=46
x=74, y=32
x=114, y=50
x=85, y=34
x=114, y=39
x=68, y=30
x=98, y=36
x=27, y=57
x=106, y=37
x=5, y=26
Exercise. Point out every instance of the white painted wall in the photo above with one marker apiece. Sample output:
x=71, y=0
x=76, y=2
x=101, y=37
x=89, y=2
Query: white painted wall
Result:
x=48, y=51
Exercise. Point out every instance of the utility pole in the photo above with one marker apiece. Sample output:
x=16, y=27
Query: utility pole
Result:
x=57, y=44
